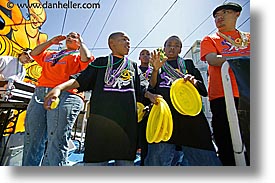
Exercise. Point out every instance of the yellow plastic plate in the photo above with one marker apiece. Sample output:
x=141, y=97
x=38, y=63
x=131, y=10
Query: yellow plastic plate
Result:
x=154, y=122
x=167, y=122
x=185, y=97
x=140, y=112
x=160, y=123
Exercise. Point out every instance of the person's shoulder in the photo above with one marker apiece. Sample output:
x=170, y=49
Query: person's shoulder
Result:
x=211, y=36
x=7, y=58
x=188, y=60
x=99, y=61
x=102, y=58
x=245, y=33
x=133, y=62
x=50, y=51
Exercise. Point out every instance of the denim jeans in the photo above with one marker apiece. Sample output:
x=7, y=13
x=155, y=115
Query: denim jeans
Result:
x=117, y=163
x=199, y=157
x=47, y=133
x=164, y=154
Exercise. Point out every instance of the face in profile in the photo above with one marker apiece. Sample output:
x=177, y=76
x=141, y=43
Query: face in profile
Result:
x=120, y=44
x=25, y=58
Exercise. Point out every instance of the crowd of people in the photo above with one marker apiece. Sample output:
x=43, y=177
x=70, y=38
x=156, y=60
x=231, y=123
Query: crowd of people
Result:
x=117, y=84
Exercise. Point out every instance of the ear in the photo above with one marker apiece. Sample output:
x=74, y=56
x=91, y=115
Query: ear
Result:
x=111, y=43
x=238, y=14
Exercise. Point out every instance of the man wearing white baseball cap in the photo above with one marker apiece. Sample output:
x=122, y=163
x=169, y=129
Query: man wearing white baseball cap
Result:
x=13, y=67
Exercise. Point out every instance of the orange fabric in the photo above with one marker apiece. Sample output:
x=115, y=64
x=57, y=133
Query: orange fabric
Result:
x=52, y=76
x=216, y=44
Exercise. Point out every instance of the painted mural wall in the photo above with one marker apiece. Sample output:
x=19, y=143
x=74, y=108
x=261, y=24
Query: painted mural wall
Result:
x=19, y=31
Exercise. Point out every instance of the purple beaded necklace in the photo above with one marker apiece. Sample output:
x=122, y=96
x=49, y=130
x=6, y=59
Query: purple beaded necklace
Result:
x=175, y=73
x=110, y=77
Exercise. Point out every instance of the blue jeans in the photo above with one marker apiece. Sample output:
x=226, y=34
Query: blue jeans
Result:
x=117, y=163
x=164, y=154
x=199, y=157
x=47, y=133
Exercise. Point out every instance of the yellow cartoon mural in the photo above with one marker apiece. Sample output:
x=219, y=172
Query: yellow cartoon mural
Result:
x=18, y=32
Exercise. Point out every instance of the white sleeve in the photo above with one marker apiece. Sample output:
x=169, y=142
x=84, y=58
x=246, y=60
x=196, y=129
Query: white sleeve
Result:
x=2, y=64
x=22, y=74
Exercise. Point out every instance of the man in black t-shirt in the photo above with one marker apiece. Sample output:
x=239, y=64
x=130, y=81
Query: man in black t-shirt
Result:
x=116, y=84
x=191, y=134
x=146, y=69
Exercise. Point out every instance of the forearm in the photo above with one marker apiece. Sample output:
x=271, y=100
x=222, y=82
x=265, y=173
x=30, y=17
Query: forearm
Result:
x=85, y=53
x=153, y=79
x=215, y=60
x=40, y=48
x=152, y=97
x=68, y=85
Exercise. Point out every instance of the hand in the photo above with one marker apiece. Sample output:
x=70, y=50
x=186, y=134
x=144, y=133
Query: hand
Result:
x=156, y=61
x=80, y=38
x=189, y=77
x=57, y=39
x=2, y=78
x=50, y=97
x=152, y=97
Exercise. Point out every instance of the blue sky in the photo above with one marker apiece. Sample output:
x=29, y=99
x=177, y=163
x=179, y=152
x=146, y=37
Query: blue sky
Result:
x=189, y=19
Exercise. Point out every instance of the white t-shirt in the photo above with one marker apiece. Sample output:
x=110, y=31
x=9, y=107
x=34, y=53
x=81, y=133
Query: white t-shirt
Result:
x=11, y=68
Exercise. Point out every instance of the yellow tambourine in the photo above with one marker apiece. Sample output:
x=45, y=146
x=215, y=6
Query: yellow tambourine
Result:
x=154, y=122
x=160, y=123
x=140, y=112
x=167, y=122
x=185, y=97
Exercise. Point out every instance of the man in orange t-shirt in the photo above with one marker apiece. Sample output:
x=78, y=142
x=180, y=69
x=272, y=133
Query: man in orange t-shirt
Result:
x=227, y=42
x=48, y=131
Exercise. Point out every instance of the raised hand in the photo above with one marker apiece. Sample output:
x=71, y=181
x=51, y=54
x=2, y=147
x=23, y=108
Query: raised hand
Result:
x=57, y=39
x=156, y=60
x=80, y=38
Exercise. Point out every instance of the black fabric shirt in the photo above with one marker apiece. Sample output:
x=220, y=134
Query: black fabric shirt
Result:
x=115, y=107
x=192, y=131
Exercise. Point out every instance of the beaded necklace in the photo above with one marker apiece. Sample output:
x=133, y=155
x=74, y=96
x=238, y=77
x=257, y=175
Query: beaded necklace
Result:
x=239, y=42
x=110, y=77
x=57, y=56
x=175, y=73
x=104, y=66
x=147, y=73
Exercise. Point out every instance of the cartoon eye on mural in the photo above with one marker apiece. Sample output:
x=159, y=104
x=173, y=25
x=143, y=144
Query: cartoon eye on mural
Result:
x=18, y=33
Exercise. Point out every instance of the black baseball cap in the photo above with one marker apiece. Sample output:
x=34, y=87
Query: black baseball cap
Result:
x=228, y=6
